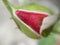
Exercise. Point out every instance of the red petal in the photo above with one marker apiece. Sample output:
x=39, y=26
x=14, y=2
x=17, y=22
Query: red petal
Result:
x=34, y=20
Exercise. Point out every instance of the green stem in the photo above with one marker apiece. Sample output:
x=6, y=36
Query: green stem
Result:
x=9, y=6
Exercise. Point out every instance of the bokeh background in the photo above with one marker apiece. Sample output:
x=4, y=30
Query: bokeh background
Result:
x=10, y=34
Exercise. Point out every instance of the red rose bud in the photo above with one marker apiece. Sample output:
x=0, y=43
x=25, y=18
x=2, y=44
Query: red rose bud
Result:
x=32, y=19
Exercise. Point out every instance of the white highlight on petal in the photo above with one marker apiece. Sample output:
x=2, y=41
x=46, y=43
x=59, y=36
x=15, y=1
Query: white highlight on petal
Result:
x=48, y=21
x=34, y=11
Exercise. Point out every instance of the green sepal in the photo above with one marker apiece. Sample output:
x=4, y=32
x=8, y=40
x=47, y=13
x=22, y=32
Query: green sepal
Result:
x=47, y=31
x=21, y=26
x=35, y=7
x=25, y=29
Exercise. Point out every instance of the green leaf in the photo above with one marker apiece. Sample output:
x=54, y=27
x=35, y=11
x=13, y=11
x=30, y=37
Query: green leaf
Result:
x=47, y=41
